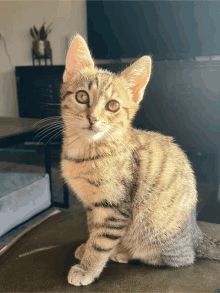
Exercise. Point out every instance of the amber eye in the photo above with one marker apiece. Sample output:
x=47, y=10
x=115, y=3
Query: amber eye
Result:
x=113, y=106
x=82, y=97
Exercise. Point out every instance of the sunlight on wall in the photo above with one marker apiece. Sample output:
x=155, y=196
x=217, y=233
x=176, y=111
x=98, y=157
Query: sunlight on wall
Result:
x=16, y=19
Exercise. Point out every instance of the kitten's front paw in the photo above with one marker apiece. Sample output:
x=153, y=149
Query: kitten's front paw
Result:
x=79, y=277
x=80, y=251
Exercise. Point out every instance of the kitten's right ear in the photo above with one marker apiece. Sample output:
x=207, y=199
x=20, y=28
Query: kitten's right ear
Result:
x=78, y=57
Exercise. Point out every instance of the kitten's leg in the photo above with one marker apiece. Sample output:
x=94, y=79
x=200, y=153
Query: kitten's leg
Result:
x=179, y=251
x=119, y=254
x=92, y=263
x=97, y=252
x=80, y=251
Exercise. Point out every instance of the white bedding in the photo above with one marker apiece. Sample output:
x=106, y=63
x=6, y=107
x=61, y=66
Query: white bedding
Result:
x=22, y=195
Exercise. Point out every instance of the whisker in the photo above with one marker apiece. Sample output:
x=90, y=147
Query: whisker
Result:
x=131, y=148
x=76, y=115
x=71, y=125
x=53, y=137
x=48, y=118
x=50, y=103
x=109, y=134
x=76, y=138
x=52, y=123
x=47, y=129
x=47, y=135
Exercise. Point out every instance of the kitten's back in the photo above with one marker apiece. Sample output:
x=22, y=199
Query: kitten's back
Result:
x=167, y=187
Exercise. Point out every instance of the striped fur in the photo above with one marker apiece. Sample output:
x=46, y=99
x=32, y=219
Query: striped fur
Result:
x=138, y=186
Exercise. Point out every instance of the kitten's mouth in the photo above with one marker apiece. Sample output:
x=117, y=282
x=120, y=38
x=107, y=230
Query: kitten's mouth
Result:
x=89, y=128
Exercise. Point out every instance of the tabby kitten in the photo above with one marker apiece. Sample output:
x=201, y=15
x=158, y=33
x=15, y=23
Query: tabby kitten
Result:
x=138, y=186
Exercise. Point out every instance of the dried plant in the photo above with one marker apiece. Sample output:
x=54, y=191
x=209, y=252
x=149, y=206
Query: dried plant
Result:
x=42, y=33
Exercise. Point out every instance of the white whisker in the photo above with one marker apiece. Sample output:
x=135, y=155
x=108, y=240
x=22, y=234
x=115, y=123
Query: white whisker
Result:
x=54, y=136
x=47, y=135
x=43, y=131
x=45, y=119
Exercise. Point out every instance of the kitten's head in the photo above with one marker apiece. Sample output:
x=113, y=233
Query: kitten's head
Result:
x=96, y=103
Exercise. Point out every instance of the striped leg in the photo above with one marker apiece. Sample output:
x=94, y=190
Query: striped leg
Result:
x=97, y=251
x=104, y=237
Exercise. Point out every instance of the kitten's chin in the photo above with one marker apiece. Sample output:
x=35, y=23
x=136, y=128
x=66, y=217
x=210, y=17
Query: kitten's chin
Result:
x=92, y=135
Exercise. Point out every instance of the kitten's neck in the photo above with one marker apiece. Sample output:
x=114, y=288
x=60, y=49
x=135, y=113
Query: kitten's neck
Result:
x=82, y=149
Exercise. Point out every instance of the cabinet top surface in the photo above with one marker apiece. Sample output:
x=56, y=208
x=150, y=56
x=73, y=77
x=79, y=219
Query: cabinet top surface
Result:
x=11, y=125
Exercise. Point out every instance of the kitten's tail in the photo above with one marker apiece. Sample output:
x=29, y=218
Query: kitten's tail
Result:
x=208, y=247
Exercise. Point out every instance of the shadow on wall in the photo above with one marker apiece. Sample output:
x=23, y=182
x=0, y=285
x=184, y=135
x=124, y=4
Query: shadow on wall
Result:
x=167, y=30
x=182, y=100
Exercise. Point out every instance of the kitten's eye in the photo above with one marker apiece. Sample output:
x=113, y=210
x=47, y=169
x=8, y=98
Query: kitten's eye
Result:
x=82, y=97
x=113, y=106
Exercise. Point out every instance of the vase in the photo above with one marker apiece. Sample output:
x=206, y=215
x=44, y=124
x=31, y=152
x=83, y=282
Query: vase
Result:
x=42, y=48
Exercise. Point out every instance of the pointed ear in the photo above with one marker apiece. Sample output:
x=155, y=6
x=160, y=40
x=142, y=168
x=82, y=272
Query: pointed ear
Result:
x=137, y=76
x=78, y=57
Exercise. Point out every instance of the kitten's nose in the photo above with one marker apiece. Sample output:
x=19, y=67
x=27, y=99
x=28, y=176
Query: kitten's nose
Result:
x=92, y=120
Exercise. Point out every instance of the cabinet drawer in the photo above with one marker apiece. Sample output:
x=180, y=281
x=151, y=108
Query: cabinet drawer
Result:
x=38, y=90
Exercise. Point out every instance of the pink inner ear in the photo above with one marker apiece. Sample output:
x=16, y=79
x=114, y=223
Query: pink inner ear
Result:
x=138, y=89
x=137, y=76
x=78, y=57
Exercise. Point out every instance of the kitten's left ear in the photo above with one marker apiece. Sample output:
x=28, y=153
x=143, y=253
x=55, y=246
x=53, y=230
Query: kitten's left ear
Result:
x=137, y=76
x=78, y=57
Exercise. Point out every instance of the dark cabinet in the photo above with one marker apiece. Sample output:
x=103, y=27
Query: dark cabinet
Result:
x=38, y=90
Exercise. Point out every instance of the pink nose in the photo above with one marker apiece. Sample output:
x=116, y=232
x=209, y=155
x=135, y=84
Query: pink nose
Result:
x=92, y=120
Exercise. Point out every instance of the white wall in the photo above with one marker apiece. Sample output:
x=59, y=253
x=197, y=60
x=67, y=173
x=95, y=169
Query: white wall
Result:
x=16, y=18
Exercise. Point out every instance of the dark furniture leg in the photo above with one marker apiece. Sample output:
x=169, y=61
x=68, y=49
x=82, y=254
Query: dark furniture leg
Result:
x=65, y=196
x=47, y=158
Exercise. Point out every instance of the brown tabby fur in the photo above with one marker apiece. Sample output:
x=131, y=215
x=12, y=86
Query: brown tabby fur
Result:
x=138, y=186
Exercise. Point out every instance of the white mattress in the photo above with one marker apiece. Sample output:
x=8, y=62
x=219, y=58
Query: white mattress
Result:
x=22, y=195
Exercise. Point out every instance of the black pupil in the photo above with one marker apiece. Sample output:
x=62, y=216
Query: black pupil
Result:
x=113, y=105
x=82, y=97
